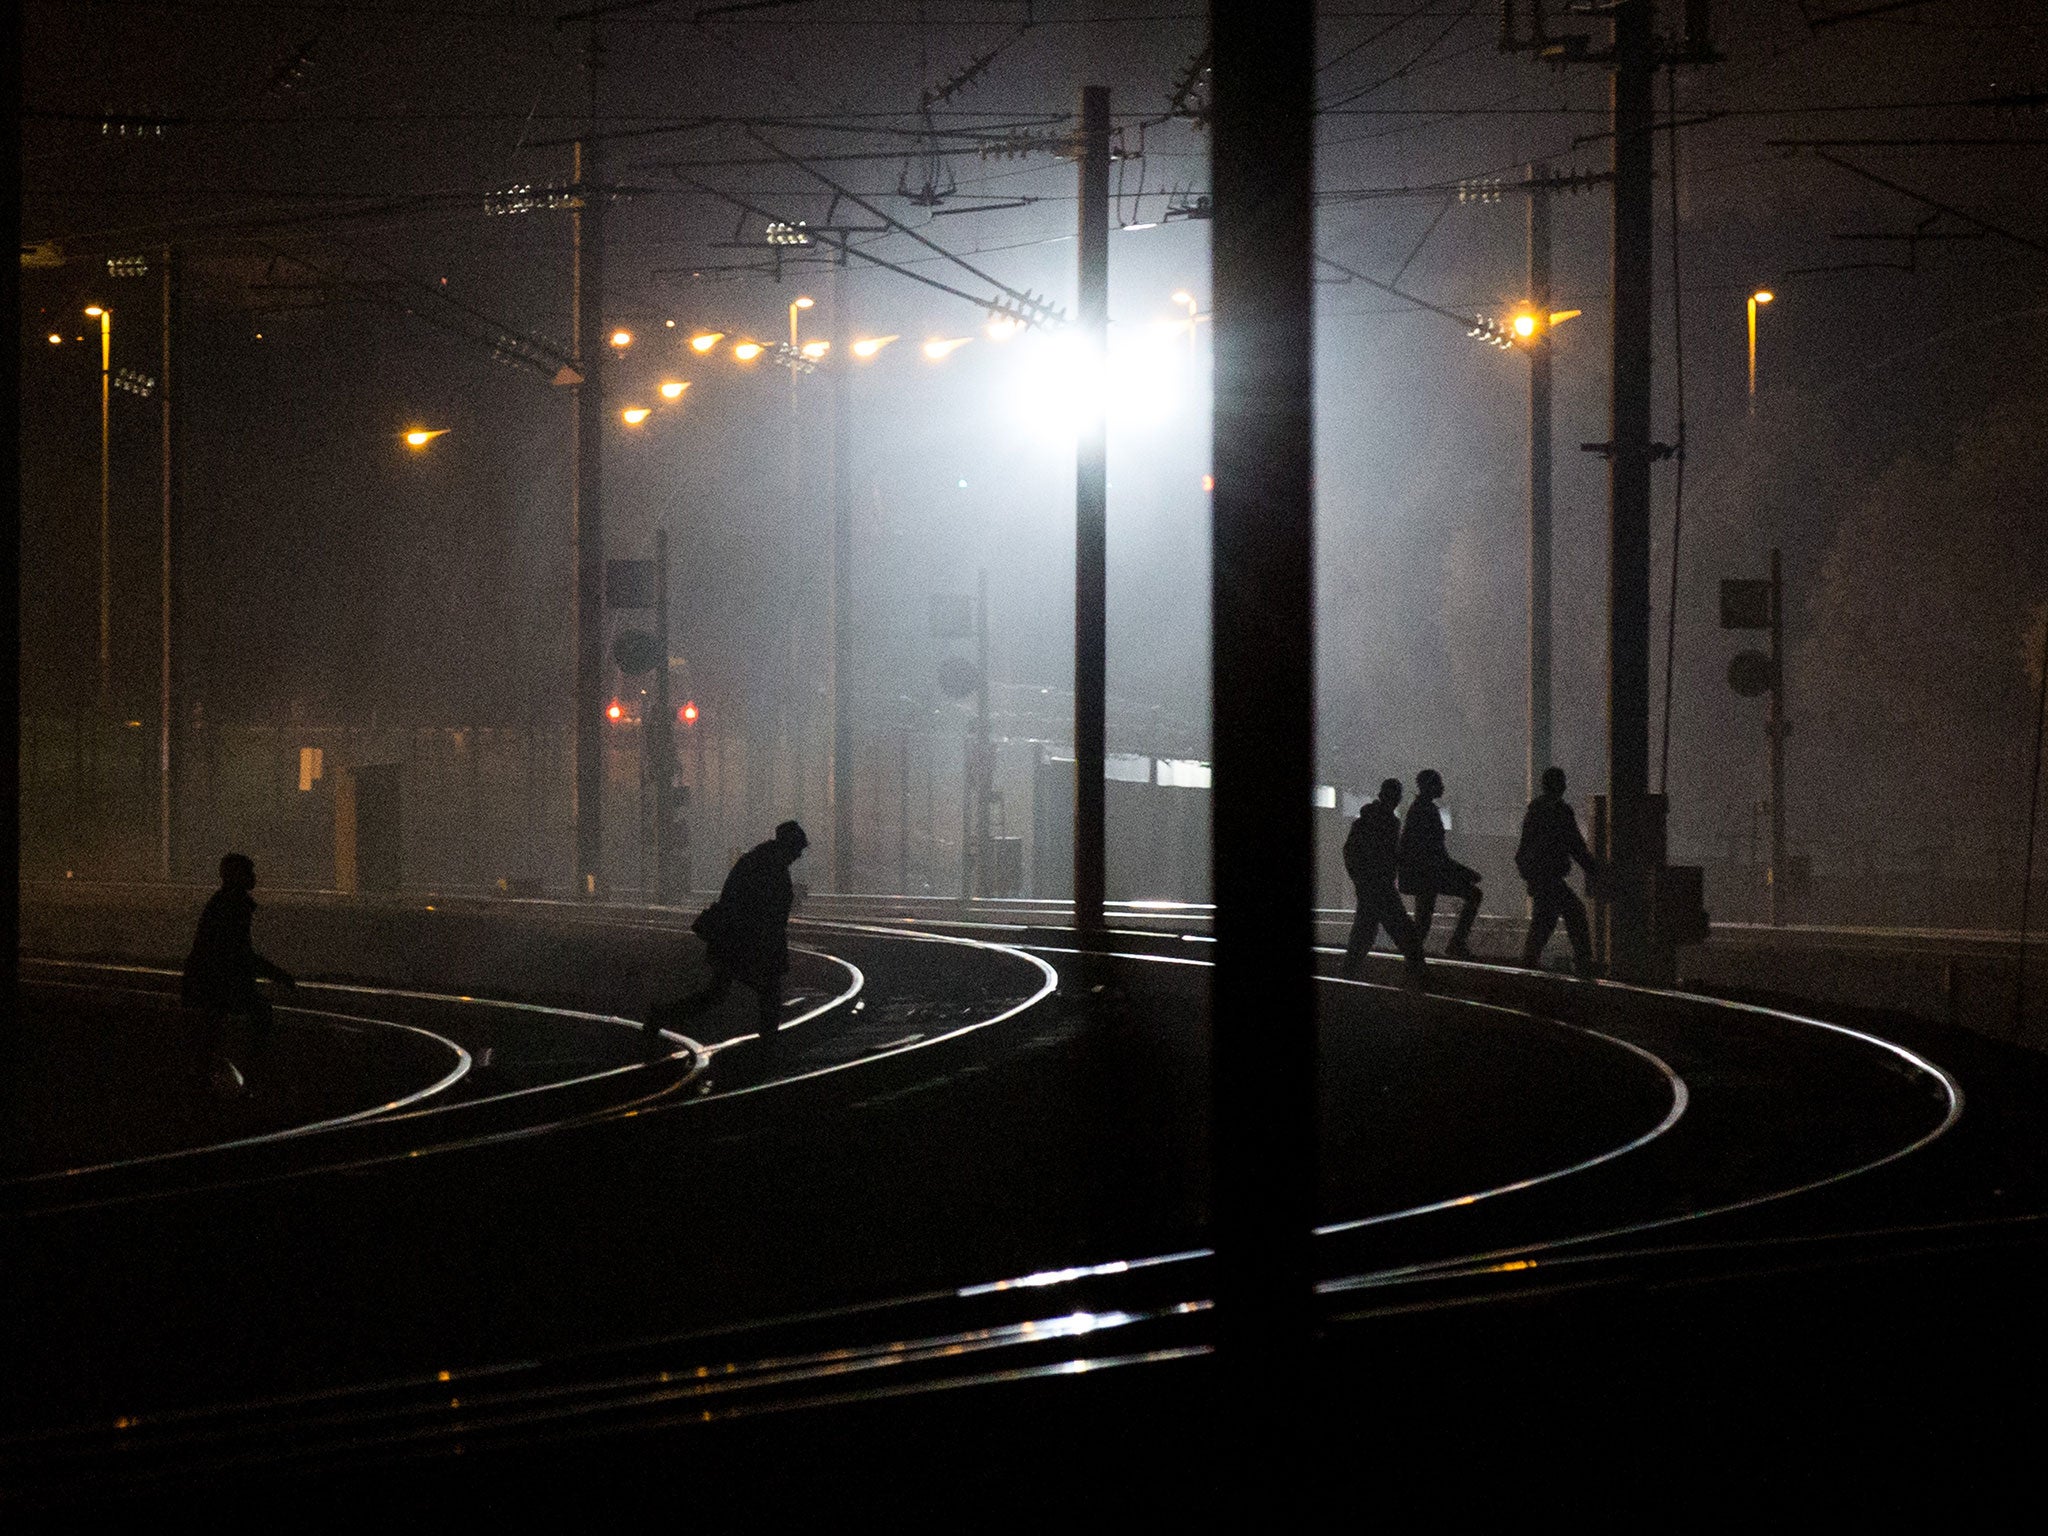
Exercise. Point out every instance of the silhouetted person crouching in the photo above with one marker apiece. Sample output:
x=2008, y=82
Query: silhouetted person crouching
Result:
x=1371, y=858
x=223, y=967
x=1428, y=871
x=746, y=937
x=1550, y=846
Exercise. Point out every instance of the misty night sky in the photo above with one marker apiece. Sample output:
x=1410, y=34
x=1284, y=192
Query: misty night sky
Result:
x=324, y=168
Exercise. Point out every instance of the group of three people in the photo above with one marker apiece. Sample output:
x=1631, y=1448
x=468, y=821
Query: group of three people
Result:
x=1389, y=858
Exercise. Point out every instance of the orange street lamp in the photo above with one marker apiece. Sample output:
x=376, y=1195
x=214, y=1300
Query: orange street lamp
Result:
x=939, y=348
x=747, y=351
x=868, y=346
x=419, y=437
x=633, y=415
x=704, y=341
x=1761, y=296
x=673, y=389
x=622, y=339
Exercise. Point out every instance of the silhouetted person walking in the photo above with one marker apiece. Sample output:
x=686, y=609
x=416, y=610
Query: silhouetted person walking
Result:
x=1550, y=846
x=222, y=969
x=1371, y=857
x=1428, y=871
x=746, y=937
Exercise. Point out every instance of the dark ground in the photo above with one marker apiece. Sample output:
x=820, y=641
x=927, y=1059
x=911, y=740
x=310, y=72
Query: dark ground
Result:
x=1072, y=1134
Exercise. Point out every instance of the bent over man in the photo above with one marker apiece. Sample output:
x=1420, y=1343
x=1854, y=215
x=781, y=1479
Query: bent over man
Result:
x=222, y=969
x=746, y=936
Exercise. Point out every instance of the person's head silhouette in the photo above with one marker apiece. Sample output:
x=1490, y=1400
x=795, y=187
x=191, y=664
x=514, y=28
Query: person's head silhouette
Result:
x=1390, y=793
x=791, y=836
x=238, y=872
x=1428, y=784
x=1553, y=781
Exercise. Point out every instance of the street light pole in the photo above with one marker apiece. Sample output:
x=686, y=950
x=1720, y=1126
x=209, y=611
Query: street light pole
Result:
x=587, y=514
x=841, y=786
x=167, y=591
x=1779, y=728
x=1539, y=480
x=1091, y=536
x=663, y=746
x=1761, y=296
x=106, y=318
x=796, y=695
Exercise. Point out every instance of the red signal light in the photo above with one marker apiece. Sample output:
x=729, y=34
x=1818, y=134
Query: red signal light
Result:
x=615, y=711
x=687, y=714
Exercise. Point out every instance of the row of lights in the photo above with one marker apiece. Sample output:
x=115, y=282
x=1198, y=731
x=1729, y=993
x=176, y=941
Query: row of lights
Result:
x=804, y=356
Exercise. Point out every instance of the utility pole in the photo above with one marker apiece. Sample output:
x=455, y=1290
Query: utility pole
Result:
x=1262, y=1000
x=1091, y=529
x=1539, y=479
x=984, y=769
x=172, y=416
x=1635, y=832
x=106, y=319
x=663, y=745
x=841, y=788
x=587, y=507
x=1777, y=726
x=1633, y=842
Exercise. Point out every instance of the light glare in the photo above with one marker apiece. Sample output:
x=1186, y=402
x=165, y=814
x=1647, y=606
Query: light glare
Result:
x=622, y=338
x=1058, y=386
x=704, y=341
x=747, y=351
x=815, y=349
x=939, y=348
x=635, y=414
x=1762, y=296
x=673, y=389
x=868, y=346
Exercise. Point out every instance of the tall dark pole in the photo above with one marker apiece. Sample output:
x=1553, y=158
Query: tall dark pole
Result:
x=167, y=596
x=1263, y=649
x=1539, y=480
x=663, y=743
x=106, y=319
x=1777, y=728
x=588, y=515
x=984, y=767
x=1628, y=481
x=1091, y=528
x=842, y=583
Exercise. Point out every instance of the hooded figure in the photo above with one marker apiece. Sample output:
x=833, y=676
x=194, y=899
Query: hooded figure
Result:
x=221, y=972
x=1371, y=855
